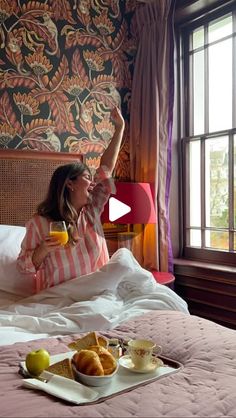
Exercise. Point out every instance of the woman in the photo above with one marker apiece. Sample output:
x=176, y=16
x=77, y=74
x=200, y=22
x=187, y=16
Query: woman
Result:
x=76, y=199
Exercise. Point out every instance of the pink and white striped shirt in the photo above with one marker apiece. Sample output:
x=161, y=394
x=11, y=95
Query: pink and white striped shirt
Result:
x=86, y=256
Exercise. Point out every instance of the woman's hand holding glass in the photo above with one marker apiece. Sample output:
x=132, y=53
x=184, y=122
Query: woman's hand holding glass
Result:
x=58, y=236
x=58, y=231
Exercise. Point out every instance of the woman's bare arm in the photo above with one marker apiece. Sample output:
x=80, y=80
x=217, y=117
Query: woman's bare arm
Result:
x=110, y=155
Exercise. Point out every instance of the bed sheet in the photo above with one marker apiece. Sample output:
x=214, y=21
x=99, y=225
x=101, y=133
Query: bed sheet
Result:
x=12, y=334
x=120, y=290
x=204, y=387
x=7, y=299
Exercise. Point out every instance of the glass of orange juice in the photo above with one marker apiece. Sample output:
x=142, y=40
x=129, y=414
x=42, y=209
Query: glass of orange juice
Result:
x=59, y=231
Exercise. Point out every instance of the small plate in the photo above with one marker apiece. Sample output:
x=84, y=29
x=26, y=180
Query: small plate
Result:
x=127, y=363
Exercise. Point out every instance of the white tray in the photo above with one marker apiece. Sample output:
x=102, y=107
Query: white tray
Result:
x=78, y=393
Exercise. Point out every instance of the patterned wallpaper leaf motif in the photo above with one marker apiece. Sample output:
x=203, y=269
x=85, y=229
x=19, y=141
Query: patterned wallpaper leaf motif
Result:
x=33, y=135
x=8, y=116
x=78, y=69
x=64, y=65
x=61, y=10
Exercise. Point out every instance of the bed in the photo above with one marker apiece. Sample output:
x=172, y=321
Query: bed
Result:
x=120, y=300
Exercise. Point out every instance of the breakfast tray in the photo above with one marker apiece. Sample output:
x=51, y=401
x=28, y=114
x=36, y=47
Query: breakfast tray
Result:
x=77, y=393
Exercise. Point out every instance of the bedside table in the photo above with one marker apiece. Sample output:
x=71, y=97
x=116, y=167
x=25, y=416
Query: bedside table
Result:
x=165, y=278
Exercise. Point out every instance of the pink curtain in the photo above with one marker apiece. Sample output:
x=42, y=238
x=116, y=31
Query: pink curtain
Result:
x=151, y=120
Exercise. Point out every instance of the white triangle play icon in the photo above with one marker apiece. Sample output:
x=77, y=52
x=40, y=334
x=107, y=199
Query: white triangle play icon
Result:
x=117, y=209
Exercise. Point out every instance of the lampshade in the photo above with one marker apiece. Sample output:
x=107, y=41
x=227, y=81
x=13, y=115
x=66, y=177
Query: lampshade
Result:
x=139, y=197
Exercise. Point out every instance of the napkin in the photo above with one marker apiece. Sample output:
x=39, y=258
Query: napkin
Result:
x=63, y=388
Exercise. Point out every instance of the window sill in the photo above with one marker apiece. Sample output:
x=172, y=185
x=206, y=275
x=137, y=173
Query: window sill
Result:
x=204, y=265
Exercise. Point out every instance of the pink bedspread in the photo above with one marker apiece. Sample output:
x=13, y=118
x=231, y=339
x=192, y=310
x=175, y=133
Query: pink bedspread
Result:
x=205, y=387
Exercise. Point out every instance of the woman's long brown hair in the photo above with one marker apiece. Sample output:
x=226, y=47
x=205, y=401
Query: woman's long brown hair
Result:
x=57, y=206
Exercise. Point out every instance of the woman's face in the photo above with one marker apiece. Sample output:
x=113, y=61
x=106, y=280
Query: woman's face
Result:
x=81, y=188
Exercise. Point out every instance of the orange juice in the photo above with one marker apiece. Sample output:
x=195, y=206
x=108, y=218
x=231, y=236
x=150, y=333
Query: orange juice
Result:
x=61, y=236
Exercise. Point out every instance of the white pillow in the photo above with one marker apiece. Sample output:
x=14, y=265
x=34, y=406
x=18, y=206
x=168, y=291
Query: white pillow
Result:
x=11, y=280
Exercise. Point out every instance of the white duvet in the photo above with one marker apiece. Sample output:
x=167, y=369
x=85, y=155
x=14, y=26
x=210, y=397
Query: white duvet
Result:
x=98, y=301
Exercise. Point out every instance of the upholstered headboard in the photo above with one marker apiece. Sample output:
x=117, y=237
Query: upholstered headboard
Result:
x=24, y=179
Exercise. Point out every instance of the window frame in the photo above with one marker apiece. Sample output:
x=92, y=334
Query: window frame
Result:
x=184, y=129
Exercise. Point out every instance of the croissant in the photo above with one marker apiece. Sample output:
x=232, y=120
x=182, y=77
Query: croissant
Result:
x=88, y=362
x=106, y=358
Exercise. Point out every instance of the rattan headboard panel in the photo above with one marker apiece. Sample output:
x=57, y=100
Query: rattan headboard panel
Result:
x=24, y=183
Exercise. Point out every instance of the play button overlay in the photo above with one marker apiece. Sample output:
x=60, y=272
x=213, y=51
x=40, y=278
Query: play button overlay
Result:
x=117, y=209
x=131, y=204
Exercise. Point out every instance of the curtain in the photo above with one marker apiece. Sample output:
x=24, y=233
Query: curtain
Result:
x=151, y=119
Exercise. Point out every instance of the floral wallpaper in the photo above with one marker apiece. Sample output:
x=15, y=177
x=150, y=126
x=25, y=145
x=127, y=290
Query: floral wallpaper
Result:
x=64, y=64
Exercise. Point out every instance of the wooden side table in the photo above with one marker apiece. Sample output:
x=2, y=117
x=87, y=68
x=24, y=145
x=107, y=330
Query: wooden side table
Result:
x=165, y=278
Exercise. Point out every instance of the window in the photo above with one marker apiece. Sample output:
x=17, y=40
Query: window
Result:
x=207, y=69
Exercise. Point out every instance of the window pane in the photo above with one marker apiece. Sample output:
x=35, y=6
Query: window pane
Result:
x=209, y=103
x=220, y=86
x=195, y=238
x=198, y=93
x=218, y=29
x=195, y=189
x=198, y=38
x=217, y=240
x=216, y=183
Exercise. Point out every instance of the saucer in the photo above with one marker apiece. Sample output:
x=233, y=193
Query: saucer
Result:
x=127, y=363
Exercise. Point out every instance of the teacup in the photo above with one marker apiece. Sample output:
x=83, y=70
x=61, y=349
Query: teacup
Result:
x=141, y=352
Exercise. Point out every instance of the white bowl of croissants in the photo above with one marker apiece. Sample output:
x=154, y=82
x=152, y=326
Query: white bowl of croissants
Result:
x=94, y=365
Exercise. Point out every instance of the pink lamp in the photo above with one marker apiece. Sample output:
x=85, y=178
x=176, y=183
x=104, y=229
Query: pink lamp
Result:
x=139, y=197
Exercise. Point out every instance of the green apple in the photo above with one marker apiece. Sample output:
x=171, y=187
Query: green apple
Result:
x=37, y=361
